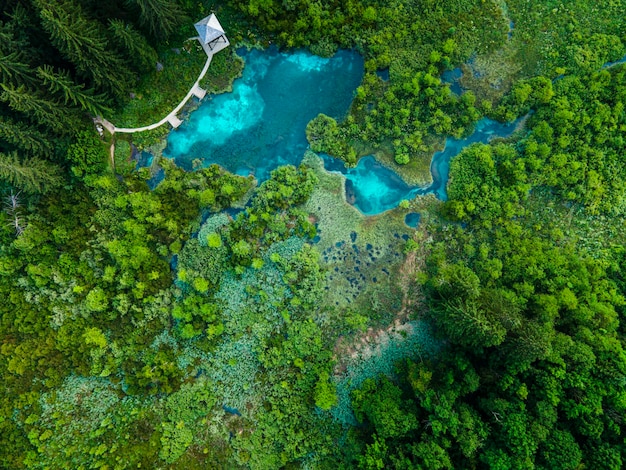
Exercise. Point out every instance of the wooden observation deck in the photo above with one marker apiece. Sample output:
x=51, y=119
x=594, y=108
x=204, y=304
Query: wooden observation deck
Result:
x=213, y=39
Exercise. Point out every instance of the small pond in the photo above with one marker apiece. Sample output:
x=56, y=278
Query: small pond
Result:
x=453, y=78
x=261, y=124
x=383, y=74
x=412, y=219
x=371, y=187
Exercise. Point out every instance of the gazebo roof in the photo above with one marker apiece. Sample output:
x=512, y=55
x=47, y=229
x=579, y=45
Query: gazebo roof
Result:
x=209, y=29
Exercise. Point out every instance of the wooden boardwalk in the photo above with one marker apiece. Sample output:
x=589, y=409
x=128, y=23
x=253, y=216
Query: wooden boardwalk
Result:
x=172, y=117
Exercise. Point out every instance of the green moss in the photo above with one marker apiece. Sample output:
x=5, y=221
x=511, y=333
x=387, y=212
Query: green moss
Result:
x=361, y=254
x=159, y=92
x=225, y=68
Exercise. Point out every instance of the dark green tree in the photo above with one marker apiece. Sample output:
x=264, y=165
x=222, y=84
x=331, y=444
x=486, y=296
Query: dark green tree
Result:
x=72, y=94
x=133, y=43
x=49, y=113
x=24, y=137
x=14, y=70
x=84, y=43
x=32, y=175
x=160, y=17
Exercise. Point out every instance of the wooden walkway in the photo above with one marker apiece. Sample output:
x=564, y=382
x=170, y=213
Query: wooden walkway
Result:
x=171, y=117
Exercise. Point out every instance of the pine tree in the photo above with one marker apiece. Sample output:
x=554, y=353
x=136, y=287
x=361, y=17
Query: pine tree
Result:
x=161, y=17
x=14, y=64
x=49, y=113
x=13, y=70
x=130, y=40
x=32, y=175
x=24, y=137
x=83, y=42
x=61, y=83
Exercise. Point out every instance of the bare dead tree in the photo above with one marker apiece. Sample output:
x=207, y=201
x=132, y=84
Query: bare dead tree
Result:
x=12, y=207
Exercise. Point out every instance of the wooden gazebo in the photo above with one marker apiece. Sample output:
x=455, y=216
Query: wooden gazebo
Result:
x=211, y=35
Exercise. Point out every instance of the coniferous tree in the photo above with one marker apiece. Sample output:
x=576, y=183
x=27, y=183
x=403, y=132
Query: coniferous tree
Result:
x=14, y=70
x=131, y=41
x=45, y=111
x=160, y=17
x=73, y=94
x=82, y=42
x=24, y=137
x=32, y=175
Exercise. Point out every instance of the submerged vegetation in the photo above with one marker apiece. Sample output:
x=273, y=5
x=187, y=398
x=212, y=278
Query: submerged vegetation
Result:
x=159, y=318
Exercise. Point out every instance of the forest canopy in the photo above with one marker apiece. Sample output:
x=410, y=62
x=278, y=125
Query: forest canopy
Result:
x=160, y=318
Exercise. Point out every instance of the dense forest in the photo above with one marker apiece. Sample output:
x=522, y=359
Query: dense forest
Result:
x=199, y=322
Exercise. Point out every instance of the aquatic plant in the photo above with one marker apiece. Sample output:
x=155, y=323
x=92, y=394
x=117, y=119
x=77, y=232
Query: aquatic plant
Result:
x=81, y=419
x=234, y=370
x=380, y=357
x=182, y=412
x=212, y=225
x=196, y=261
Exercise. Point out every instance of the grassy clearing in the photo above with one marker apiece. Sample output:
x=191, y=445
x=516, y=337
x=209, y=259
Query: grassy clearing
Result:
x=491, y=75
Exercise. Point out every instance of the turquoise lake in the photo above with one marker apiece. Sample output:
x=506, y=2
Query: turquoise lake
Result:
x=261, y=126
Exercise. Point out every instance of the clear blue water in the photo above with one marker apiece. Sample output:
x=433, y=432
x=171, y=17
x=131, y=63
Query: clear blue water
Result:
x=611, y=64
x=232, y=411
x=371, y=187
x=261, y=124
x=383, y=74
x=452, y=77
x=374, y=189
x=486, y=129
x=412, y=219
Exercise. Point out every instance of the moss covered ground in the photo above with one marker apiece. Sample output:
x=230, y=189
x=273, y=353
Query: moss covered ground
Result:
x=362, y=254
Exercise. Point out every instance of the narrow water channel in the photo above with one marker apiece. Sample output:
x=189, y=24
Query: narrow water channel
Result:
x=373, y=189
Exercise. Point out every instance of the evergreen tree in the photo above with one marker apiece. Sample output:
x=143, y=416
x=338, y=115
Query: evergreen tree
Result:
x=160, y=17
x=32, y=175
x=83, y=42
x=47, y=112
x=61, y=83
x=24, y=137
x=14, y=70
x=131, y=41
